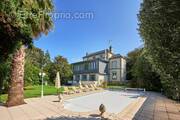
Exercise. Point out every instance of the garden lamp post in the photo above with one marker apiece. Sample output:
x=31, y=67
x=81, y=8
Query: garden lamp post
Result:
x=42, y=82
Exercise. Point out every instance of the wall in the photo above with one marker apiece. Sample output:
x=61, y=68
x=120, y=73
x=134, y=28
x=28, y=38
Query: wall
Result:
x=123, y=69
x=98, y=78
x=101, y=78
x=103, y=67
x=109, y=55
x=120, y=69
x=118, y=63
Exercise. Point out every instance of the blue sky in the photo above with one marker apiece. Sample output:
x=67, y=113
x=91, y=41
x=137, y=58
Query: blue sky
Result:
x=114, y=20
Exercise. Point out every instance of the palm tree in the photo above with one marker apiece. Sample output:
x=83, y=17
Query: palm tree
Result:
x=15, y=95
x=29, y=26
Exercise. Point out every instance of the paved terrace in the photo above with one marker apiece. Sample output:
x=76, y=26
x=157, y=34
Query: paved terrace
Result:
x=152, y=107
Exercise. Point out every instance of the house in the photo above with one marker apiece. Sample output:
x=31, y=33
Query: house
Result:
x=100, y=66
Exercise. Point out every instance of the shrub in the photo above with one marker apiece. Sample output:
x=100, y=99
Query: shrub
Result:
x=115, y=83
x=104, y=84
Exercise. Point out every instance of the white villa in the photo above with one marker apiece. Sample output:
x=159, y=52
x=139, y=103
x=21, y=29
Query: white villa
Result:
x=100, y=66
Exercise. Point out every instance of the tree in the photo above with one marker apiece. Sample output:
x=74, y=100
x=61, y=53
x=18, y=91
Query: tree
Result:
x=62, y=66
x=131, y=60
x=144, y=75
x=19, y=30
x=35, y=59
x=34, y=56
x=159, y=26
x=31, y=76
x=46, y=69
x=140, y=71
x=15, y=94
x=47, y=57
x=4, y=73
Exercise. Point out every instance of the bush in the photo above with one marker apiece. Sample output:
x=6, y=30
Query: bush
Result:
x=104, y=84
x=115, y=83
x=60, y=90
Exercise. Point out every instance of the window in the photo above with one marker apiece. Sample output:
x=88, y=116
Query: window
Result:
x=77, y=77
x=78, y=68
x=75, y=67
x=92, y=77
x=114, y=64
x=114, y=75
x=94, y=65
x=86, y=66
x=84, y=77
x=91, y=66
x=81, y=67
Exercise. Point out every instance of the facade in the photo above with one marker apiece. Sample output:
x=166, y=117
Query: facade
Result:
x=100, y=66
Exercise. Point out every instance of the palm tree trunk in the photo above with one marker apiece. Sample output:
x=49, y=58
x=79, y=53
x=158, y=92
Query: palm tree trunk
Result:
x=1, y=85
x=16, y=88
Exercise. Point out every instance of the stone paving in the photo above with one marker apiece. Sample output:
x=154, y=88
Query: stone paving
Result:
x=158, y=107
x=153, y=106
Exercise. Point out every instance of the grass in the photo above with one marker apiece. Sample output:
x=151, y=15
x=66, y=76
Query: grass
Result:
x=34, y=91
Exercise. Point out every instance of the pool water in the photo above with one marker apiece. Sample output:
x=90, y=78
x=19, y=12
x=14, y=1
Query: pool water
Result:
x=114, y=101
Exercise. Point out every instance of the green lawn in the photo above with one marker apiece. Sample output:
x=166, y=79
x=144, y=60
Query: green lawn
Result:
x=34, y=91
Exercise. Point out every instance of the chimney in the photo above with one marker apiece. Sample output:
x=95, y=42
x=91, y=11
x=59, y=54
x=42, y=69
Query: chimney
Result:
x=110, y=49
x=86, y=53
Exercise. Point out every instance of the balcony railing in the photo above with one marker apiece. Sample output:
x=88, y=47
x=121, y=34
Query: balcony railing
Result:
x=86, y=67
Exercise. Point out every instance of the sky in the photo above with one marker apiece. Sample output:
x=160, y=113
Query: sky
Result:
x=111, y=22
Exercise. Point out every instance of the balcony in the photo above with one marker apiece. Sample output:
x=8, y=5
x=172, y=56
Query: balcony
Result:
x=91, y=66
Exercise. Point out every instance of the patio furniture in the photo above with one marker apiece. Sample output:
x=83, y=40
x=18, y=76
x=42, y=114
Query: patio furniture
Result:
x=67, y=91
x=83, y=88
x=92, y=87
x=75, y=89
x=97, y=88
x=86, y=86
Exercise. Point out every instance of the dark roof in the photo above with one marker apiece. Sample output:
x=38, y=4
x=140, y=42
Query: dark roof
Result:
x=117, y=56
x=90, y=61
x=96, y=53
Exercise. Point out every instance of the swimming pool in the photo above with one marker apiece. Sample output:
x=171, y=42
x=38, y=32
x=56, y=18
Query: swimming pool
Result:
x=115, y=101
